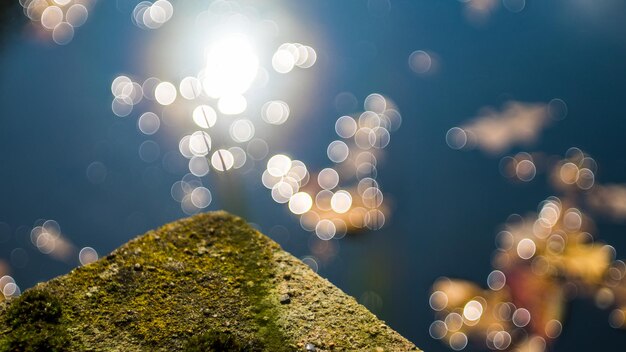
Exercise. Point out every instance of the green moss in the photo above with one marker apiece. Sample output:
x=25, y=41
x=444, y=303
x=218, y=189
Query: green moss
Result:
x=209, y=282
x=189, y=280
x=220, y=341
x=32, y=307
x=34, y=322
x=253, y=273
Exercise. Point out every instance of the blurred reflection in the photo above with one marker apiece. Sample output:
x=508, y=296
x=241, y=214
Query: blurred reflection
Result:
x=543, y=260
x=57, y=19
x=346, y=197
x=609, y=200
x=496, y=131
x=227, y=134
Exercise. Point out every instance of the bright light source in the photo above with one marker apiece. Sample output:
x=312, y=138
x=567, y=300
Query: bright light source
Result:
x=232, y=66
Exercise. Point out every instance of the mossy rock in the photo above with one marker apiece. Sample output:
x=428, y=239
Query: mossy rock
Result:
x=206, y=283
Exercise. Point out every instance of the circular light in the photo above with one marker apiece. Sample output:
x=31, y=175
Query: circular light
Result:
x=87, y=255
x=438, y=330
x=63, y=33
x=239, y=155
x=458, y=341
x=165, y=93
x=119, y=84
x=148, y=87
x=456, y=138
x=279, y=165
x=338, y=151
x=569, y=173
x=242, y=131
x=311, y=57
x=309, y=220
x=122, y=107
x=345, y=127
x=376, y=103
x=201, y=197
x=300, y=203
x=199, y=143
x=322, y=199
x=161, y=11
x=257, y=149
x=521, y=317
x=325, y=229
x=190, y=88
x=149, y=151
x=77, y=15
x=283, y=61
x=372, y=197
x=501, y=340
x=148, y=123
x=379, y=137
x=473, y=310
x=586, y=179
x=204, y=116
x=199, y=166
x=438, y=300
x=328, y=178
x=311, y=262
x=222, y=160
x=374, y=219
x=282, y=192
x=553, y=328
x=341, y=202
x=617, y=319
x=556, y=107
x=526, y=170
x=420, y=62
x=51, y=17
x=96, y=172
x=275, y=112
x=496, y=280
x=526, y=248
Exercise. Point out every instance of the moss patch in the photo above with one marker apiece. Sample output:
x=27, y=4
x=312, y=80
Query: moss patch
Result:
x=34, y=323
x=220, y=341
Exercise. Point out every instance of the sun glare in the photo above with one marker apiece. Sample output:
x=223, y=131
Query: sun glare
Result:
x=231, y=67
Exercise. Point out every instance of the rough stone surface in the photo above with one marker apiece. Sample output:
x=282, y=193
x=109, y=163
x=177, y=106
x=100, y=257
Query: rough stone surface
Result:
x=206, y=283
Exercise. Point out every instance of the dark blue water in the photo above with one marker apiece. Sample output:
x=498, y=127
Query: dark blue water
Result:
x=55, y=119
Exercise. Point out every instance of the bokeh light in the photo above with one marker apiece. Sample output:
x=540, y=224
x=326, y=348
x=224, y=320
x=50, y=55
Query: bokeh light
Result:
x=58, y=19
x=87, y=255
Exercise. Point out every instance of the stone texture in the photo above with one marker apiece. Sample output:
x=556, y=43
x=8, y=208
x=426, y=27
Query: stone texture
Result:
x=205, y=283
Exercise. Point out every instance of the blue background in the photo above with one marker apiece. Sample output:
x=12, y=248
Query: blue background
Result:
x=55, y=119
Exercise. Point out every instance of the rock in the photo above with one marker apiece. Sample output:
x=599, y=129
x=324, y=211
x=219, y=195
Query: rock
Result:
x=285, y=299
x=212, y=283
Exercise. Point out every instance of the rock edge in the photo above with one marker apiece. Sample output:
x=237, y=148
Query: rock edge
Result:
x=205, y=283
